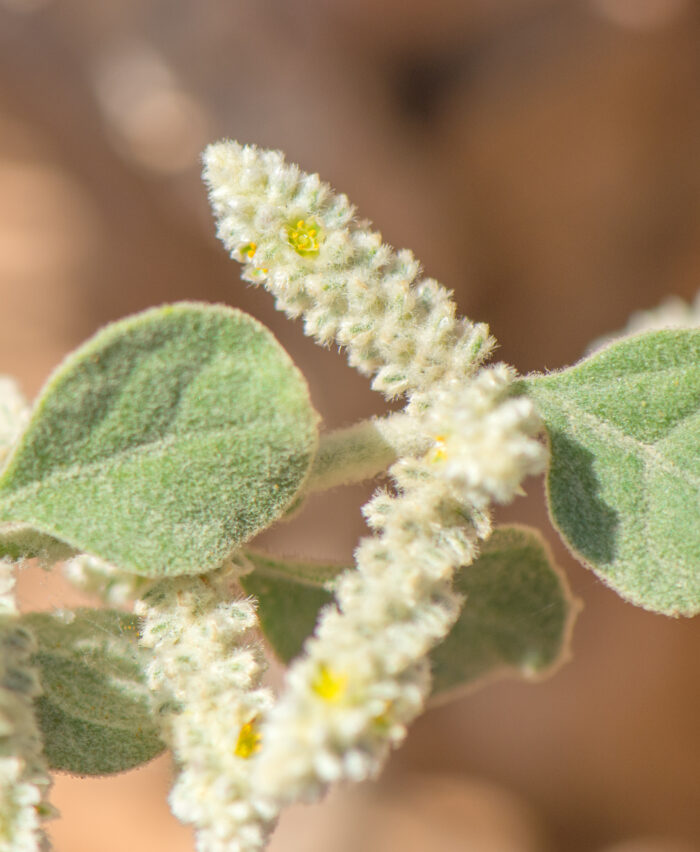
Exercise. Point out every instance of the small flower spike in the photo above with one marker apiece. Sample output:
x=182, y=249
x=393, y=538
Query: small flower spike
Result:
x=204, y=674
x=24, y=777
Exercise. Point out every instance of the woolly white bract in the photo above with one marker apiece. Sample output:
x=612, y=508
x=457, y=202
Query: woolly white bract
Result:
x=205, y=683
x=365, y=675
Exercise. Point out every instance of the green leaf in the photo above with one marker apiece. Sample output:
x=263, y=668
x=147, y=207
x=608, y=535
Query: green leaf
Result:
x=517, y=617
x=94, y=712
x=290, y=594
x=18, y=541
x=624, y=478
x=165, y=441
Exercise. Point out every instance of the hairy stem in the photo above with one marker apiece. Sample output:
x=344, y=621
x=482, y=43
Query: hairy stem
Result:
x=363, y=450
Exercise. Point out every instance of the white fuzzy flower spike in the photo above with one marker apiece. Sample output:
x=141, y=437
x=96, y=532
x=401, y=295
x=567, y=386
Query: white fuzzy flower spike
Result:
x=204, y=674
x=483, y=438
x=24, y=778
x=302, y=241
x=365, y=675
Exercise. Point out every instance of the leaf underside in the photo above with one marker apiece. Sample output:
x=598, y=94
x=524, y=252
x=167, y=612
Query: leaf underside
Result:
x=18, y=541
x=94, y=711
x=624, y=477
x=516, y=619
x=517, y=616
x=165, y=441
x=290, y=595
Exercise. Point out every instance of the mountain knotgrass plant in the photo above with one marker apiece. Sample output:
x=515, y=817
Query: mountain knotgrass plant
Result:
x=162, y=446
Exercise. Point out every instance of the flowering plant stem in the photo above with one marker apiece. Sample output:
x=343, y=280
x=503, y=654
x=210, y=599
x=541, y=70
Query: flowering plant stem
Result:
x=164, y=444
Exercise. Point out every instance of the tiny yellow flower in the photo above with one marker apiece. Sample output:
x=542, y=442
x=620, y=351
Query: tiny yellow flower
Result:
x=439, y=451
x=248, y=739
x=248, y=250
x=328, y=684
x=304, y=237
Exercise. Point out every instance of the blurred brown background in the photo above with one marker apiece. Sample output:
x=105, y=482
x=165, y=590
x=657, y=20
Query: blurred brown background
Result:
x=541, y=158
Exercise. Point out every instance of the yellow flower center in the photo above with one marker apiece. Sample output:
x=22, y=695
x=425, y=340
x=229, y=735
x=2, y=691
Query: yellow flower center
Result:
x=304, y=237
x=328, y=684
x=248, y=739
x=439, y=452
x=248, y=250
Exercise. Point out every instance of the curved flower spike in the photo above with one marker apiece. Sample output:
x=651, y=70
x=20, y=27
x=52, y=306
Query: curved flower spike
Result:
x=365, y=676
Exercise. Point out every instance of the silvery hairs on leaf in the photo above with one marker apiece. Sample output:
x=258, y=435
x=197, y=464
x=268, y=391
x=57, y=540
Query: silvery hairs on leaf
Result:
x=623, y=485
x=165, y=441
x=365, y=674
x=94, y=710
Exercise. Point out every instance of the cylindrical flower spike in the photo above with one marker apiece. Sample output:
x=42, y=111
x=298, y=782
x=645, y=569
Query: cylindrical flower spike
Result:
x=302, y=241
x=365, y=675
x=24, y=777
x=205, y=674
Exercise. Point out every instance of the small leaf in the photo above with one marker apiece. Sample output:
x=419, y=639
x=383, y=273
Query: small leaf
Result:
x=94, y=711
x=18, y=541
x=290, y=595
x=165, y=441
x=624, y=477
x=517, y=617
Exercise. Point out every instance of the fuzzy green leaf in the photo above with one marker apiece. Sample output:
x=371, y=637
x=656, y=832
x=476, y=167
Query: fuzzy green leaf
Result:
x=165, y=441
x=18, y=541
x=624, y=478
x=517, y=617
x=94, y=712
x=290, y=594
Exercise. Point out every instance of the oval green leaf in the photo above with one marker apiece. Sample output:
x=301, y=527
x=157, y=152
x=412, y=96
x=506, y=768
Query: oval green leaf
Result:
x=517, y=617
x=165, y=441
x=95, y=708
x=624, y=479
x=290, y=595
